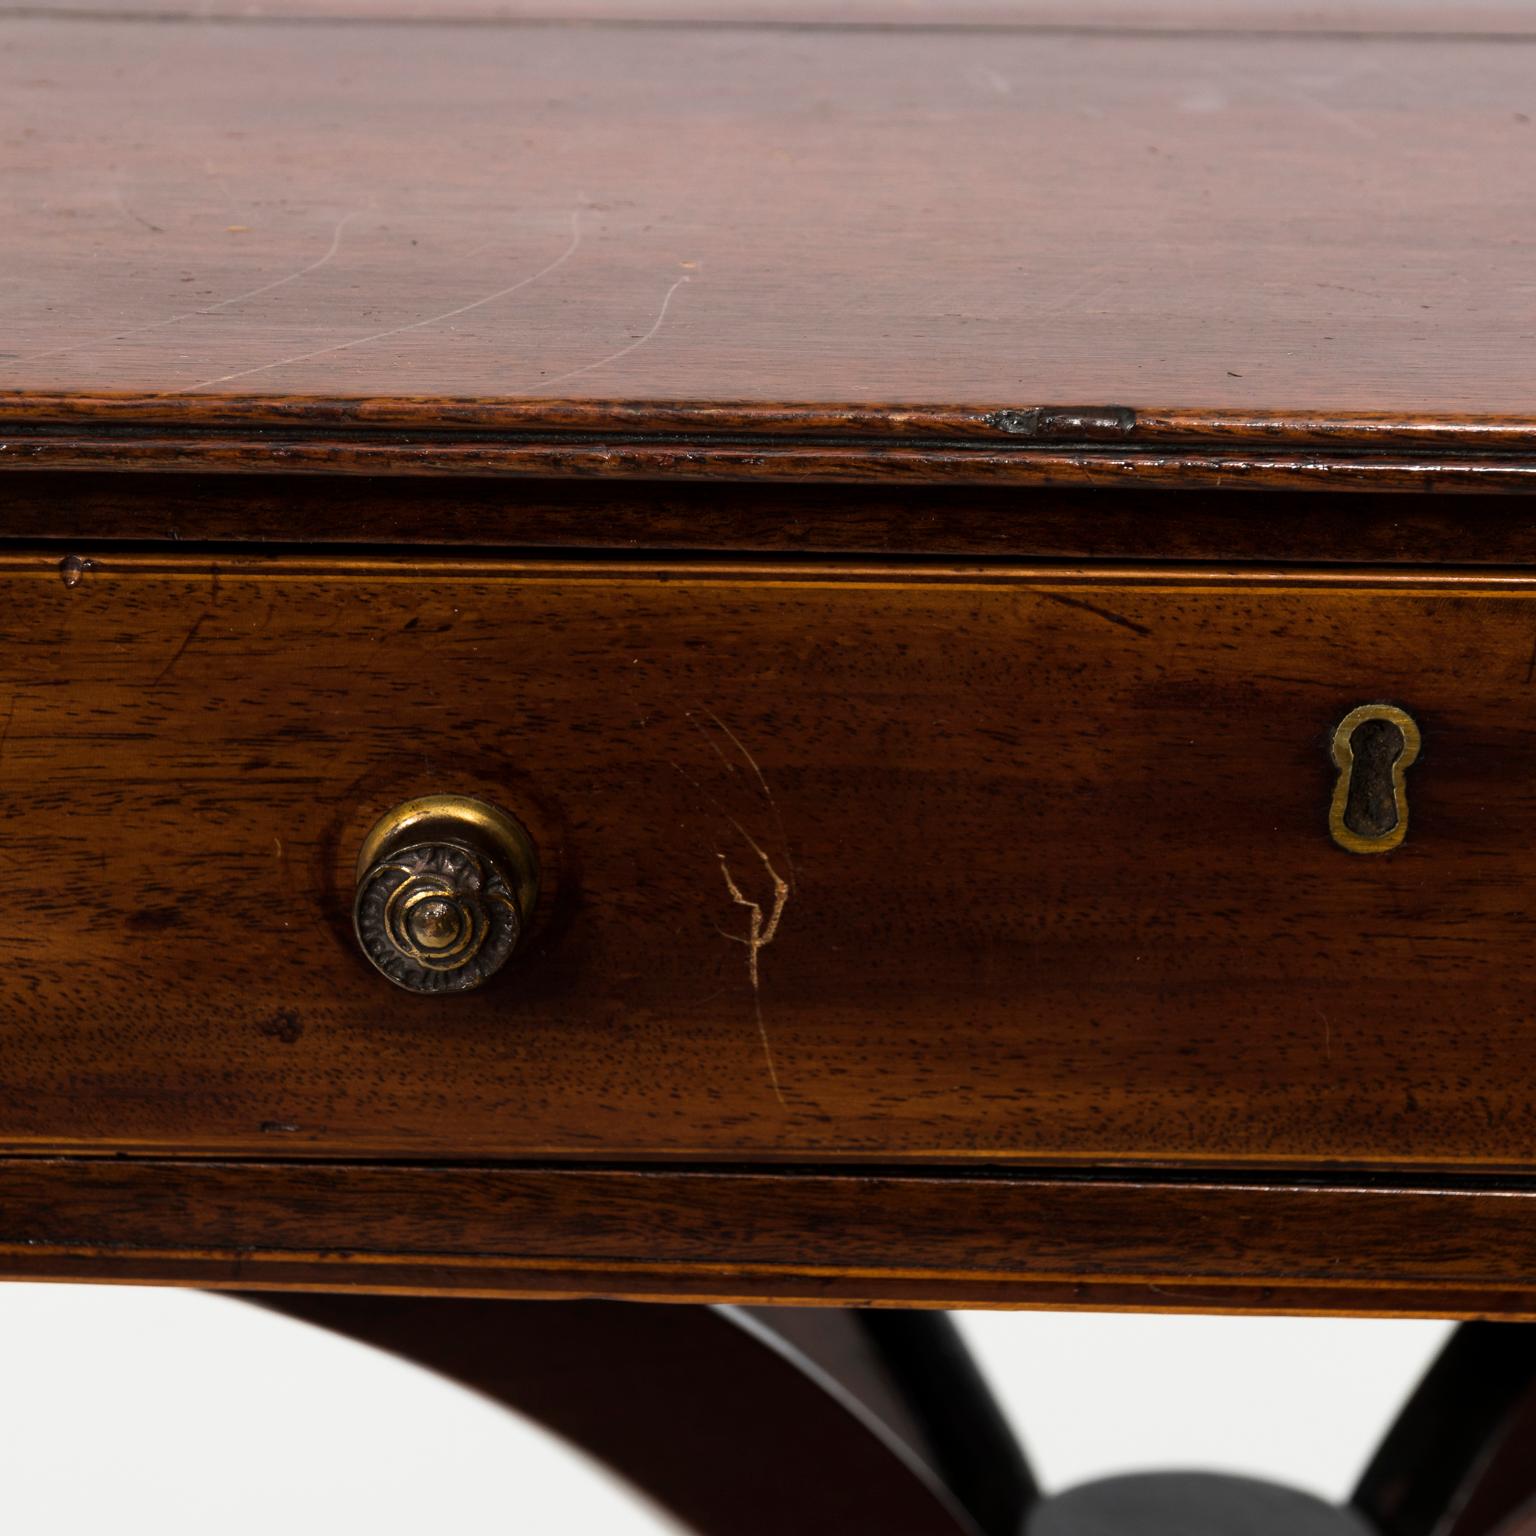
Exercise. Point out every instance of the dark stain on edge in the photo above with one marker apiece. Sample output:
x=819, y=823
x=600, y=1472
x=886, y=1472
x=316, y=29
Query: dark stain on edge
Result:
x=1072, y=422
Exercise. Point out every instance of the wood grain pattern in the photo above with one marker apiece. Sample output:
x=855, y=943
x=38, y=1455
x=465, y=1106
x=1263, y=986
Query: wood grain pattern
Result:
x=1296, y=232
x=1056, y=876
x=883, y=1238
x=1018, y=870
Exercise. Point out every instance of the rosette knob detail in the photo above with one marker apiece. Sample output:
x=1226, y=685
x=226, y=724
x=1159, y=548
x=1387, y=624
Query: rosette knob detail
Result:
x=446, y=886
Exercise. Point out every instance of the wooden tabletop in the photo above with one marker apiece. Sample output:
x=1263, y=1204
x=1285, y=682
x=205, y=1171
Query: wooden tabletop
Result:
x=1208, y=210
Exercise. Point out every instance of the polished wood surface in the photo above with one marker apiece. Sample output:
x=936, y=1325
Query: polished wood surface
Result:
x=938, y=863
x=912, y=930
x=1258, y=239
x=977, y=1238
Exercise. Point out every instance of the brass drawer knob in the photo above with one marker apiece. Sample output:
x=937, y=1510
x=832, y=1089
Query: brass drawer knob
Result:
x=445, y=887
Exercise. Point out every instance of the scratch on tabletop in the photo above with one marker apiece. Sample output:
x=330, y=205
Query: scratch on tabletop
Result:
x=414, y=325
x=1292, y=90
x=613, y=357
x=1086, y=287
x=208, y=309
x=1345, y=120
x=128, y=213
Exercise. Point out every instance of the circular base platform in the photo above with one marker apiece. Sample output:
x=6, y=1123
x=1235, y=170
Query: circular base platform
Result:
x=1190, y=1504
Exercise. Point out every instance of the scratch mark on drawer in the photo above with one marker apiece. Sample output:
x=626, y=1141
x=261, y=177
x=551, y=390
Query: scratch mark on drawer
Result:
x=1104, y=613
x=762, y=927
x=181, y=650
x=760, y=934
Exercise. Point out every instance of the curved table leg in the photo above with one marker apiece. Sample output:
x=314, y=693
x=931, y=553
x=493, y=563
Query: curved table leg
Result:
x=1521, y=1523
x=722, y=1416
x=1461, y=1458
x=913, y=1371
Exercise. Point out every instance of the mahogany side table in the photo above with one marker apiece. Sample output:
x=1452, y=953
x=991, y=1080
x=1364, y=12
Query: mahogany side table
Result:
x=873, y=655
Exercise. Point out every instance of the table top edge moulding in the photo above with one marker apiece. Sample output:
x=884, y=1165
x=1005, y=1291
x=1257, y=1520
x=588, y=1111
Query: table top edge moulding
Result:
x=811, y=442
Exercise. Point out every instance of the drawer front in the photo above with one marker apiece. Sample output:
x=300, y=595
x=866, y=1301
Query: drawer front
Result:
x=864, y=864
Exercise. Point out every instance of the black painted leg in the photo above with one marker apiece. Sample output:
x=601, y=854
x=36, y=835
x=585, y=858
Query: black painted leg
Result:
x=1461, y=1458
x=912, y=1369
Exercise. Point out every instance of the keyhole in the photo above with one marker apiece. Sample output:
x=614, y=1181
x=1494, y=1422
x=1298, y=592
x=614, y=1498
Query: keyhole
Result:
x=1370, y=808
x=1372, y=748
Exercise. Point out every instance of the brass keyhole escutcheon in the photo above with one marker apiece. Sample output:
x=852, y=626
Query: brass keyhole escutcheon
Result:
x=1373, y=748
x=446, y=886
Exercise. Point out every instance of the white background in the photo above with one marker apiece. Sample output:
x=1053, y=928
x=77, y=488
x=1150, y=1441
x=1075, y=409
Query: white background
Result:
x=168, y=1413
